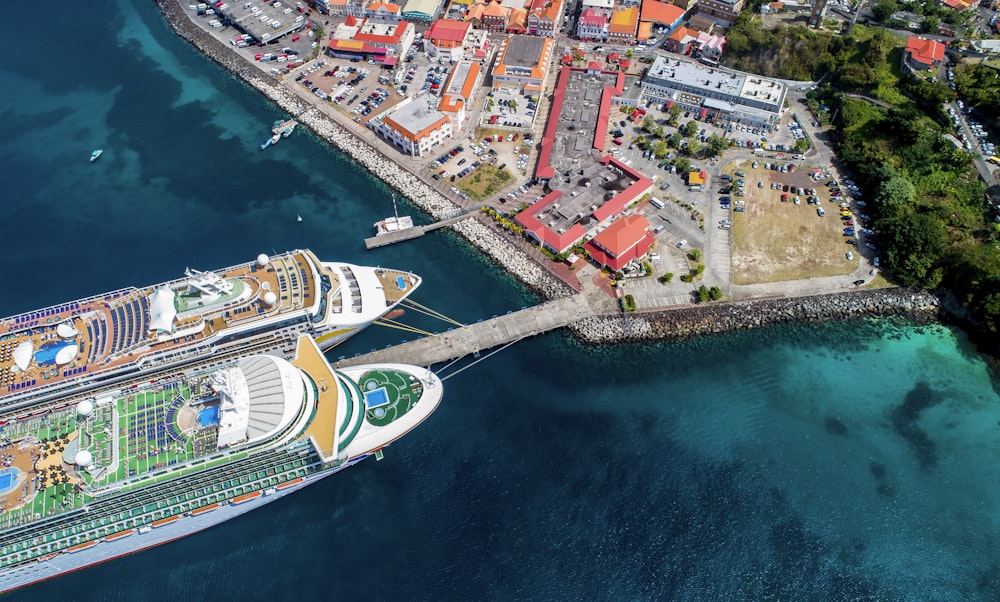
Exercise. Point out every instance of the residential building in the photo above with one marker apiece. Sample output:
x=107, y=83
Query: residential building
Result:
x=682, y=41
x=723, y=11
x=415, y=125
x=623, y=26
x=384, y=11
x=603, y=7
x=496, y=17
x=922, y=53
x=627, y=239
x=522, y=63
x=662, y=14
x=543, y=17
x=592, y=25
x=714, y=91
x=710, y=47
x=366, y=38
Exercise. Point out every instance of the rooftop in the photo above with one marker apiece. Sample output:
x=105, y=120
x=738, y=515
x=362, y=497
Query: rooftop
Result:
x=417, y=115
x=524, y=51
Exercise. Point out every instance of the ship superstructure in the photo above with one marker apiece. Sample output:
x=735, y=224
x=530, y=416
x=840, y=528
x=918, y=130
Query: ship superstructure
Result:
x=141, y=463
x=259, y=306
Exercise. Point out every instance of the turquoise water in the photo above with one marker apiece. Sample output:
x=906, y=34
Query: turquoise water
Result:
x=836, y=462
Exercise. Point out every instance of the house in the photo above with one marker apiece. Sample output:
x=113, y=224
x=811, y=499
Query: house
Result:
x=722, y=11
x=625, y=240
x=711, y=46
x=496, y=17
x=543, y=17
x=959, y=5
x=922, y=53
x=681, y=40
x=447, y=37
x=383, y=11
x=623, y=26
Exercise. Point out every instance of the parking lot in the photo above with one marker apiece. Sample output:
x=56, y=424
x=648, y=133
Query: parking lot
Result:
x=509, y=109
x=510, y=153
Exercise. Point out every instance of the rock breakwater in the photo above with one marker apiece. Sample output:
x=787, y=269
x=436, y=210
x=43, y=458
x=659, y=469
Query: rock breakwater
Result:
x=715, y=318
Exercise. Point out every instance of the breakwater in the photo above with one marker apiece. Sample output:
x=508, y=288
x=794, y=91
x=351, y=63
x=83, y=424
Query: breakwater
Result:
x=501, y=251
x=715, y=318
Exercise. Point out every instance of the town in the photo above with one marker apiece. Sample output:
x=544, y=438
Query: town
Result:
x=610, y=136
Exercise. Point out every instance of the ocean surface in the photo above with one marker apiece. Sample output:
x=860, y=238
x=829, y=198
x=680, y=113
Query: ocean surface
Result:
x=836, y=462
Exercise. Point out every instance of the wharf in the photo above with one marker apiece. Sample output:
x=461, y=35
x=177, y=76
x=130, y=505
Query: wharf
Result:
x=415, y=232
x=284, y=125
x=483, y=335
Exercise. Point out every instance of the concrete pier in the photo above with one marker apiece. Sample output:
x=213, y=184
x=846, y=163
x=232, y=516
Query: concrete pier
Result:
x=411, y=233
x=481, y=335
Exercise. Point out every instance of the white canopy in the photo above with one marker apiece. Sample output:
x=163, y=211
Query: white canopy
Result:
x=161, y=309
x=23, y=354
x=66, y=330
x=66, y=354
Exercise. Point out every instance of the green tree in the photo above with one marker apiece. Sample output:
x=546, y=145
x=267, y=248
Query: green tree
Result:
x=894, y=195
x=801, y=145
x=675, y=140
x=717, y=144
x=884, y=9
x=690, y=128
x=714, y=293
x=674, y=112
x=660, y=149
x=703, y=294
x=513, y=105
x=629, y=54
x=683, y=164
x=931, y=24
x=667, y=277
x=694, y=147
x=648, y=124
x=659, y=132
x=695, y=254
x=914, y=245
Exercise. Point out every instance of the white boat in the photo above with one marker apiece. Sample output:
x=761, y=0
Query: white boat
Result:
x=394, y=223
x=96, y=154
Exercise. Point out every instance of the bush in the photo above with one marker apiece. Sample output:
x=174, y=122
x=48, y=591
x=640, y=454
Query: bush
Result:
x=664, y=279
x=628, y=303
x=687, y=277
x=695, y=254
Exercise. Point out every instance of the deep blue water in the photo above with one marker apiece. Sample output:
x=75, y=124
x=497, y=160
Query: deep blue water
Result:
x=836, y=462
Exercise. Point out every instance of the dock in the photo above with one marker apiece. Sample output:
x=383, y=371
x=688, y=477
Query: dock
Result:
x=415, y=232
x=473, y=338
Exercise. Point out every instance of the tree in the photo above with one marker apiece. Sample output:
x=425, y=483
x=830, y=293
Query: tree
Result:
x=694, y=147
x=513, y=105
x=675, y=140
x=702, y=294
x=648, y=124
x=659, y=131
x=714, y=293
x=660, y=149
x=801, y=145
x=884, y=9
x=915, y=243
x=894, y=194
x=683, y=164
x=667, y=277
x=931, y=24
x=690, y=128
x=717, y=144
x=629, y=54
x=695, y=254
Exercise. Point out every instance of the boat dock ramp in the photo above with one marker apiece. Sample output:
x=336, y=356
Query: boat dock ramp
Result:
x=487, y=334
x=416, y=231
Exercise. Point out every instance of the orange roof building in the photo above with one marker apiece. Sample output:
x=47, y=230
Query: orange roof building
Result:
x=922, y=53
x=363, y=37
x=623, y=241
x=496, y=17
x=661, y=13
x=415, y=125
x=384, y=11
x=523, y=62
x=446, y=34
x=544, y=17
x=459, y=90
x=624, y=25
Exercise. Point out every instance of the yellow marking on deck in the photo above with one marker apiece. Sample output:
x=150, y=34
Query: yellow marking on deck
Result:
x=330, y=335
x=323, y=428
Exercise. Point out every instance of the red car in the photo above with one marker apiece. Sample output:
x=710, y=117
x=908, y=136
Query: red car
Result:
x=848, y=222
x=617, y=141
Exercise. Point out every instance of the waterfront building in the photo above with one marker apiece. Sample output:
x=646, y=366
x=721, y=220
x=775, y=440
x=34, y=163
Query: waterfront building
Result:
x=415, y=125
x=625, y=240
x=722, y=11
x=367, y=38
x=522, y=63
x=714, y=91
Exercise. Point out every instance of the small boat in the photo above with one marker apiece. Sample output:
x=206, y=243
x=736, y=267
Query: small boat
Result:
x=288, y=130
x=298, y=218
x=394, y=223
x=97, y=153
x=266, y=144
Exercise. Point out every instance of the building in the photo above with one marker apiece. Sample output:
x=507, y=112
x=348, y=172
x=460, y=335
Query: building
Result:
x=366, y=38
x=818, y=13
x=459, y=91
x=602, y=7
x=415, y=125
x=543, y=17
x=585, y=189
x=447, y=37
x=623, y=26
x=959, y=5
x=496, y=17
x=592, y=26
x=421, y=10
x=661, y=14
x=710, y=47
x=714, y=91
x=723, y=11
x=522, y=63
x=682, y=41
x=921, y=53
x=625, y=240
x=384, y=11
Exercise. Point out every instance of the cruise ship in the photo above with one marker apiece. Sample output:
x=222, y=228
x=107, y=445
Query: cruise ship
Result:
x=144, y=462
x=257, y=307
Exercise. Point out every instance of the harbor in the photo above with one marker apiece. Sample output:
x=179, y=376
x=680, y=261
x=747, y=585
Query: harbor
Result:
x=388, y=238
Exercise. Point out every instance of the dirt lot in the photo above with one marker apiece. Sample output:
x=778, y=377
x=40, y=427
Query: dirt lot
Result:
x=775, y=241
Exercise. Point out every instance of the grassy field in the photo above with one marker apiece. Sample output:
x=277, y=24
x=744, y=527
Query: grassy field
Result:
x=775, y=241
x=484, y=182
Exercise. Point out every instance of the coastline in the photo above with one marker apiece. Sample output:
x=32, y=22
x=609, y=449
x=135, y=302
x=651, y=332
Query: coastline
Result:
x=667, y=324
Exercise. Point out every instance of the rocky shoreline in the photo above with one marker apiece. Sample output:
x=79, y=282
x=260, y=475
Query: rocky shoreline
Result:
x=716, y=318
x=502, y=252
x=672, y=324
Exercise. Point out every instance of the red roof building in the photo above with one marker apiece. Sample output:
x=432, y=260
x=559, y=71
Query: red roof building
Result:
x=621, y=242
x=363, y=37
x=922, y=53
x=448, y=33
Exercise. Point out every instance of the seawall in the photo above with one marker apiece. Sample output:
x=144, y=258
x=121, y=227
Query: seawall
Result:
x=501, y=251
x=716, y=318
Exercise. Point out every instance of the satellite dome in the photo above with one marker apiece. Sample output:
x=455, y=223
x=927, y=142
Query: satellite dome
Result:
x=85, y=408
x=83, y=458
x=270, y=298
x=263, y=260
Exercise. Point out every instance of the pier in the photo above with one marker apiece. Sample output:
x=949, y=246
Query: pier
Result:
x=415, y=232
x=473, y=338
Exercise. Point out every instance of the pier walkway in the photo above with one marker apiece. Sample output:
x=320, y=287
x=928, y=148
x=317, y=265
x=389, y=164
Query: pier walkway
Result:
x=415, y=231
x=481, y=335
